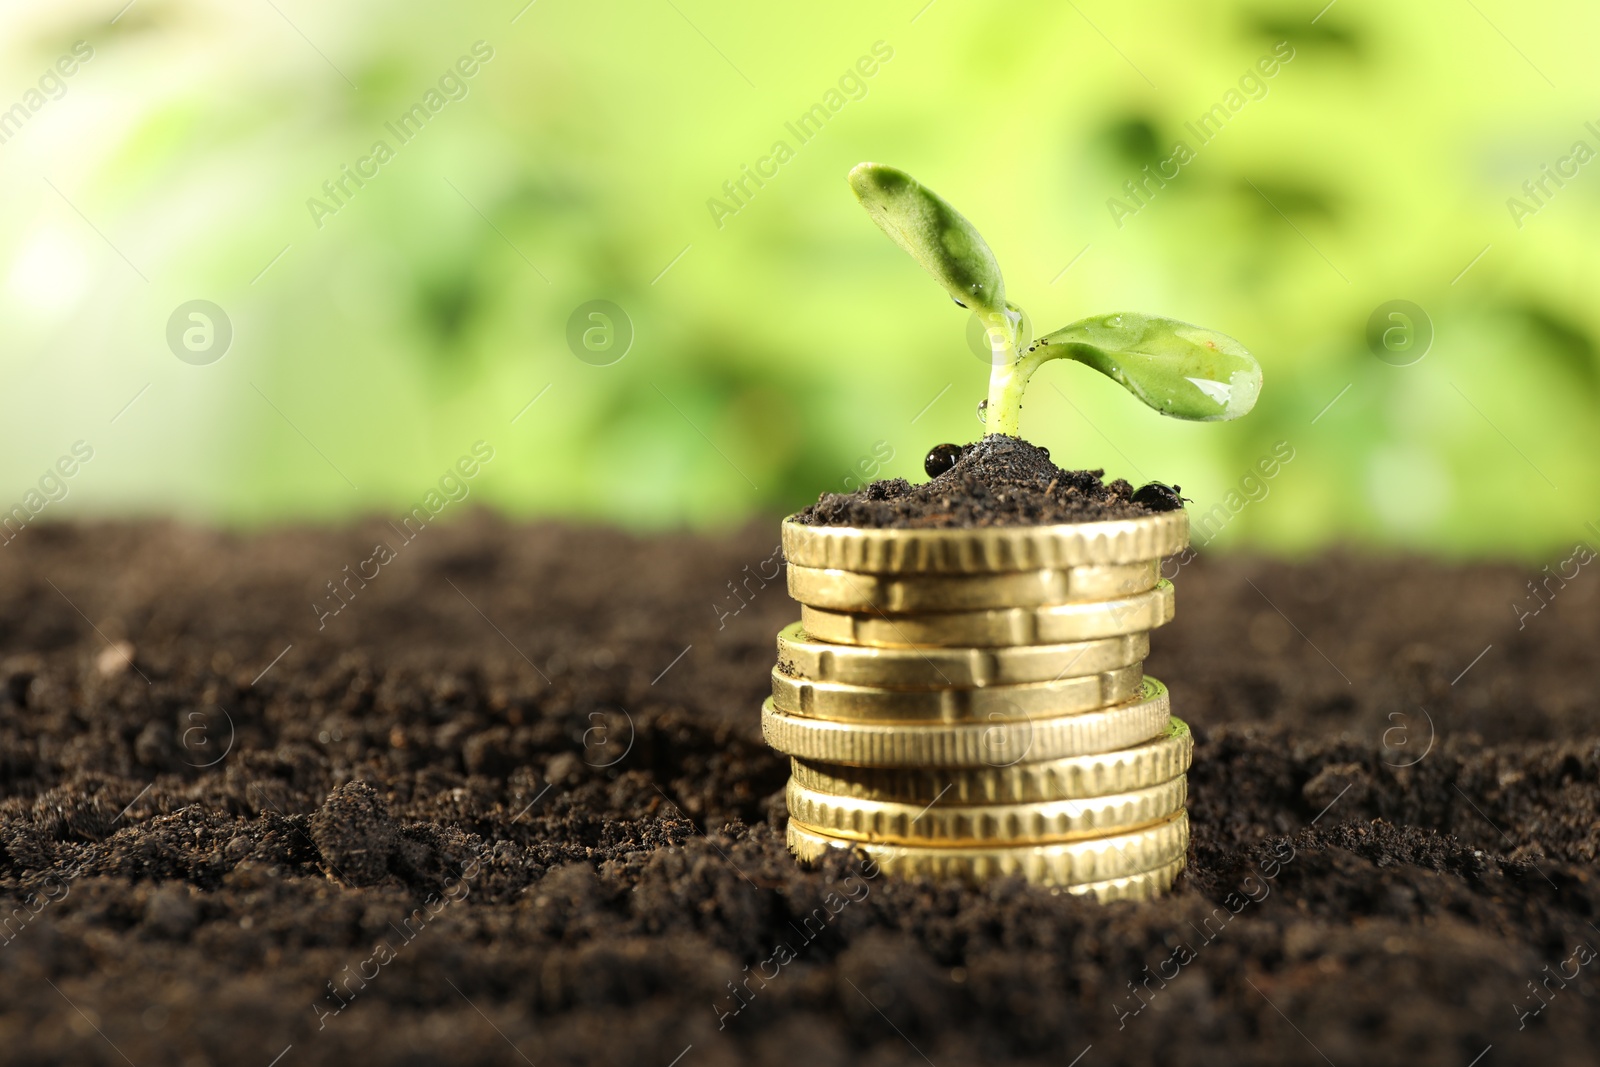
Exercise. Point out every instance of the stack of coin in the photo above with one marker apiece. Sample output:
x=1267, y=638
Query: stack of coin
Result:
x=971, y=703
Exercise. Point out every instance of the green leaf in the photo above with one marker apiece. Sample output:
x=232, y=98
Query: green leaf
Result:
x=1178, y=369
x=936, y=235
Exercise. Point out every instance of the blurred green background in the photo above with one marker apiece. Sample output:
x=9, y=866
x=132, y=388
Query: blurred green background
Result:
x=776, y=346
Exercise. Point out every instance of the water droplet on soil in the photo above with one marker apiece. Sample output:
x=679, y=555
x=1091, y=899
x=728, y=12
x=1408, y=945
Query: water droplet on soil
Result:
x=1159, y=497
x=940, y=458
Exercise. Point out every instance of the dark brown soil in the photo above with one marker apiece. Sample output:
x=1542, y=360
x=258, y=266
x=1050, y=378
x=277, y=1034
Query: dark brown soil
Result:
x=510, y=805
x=998, y=481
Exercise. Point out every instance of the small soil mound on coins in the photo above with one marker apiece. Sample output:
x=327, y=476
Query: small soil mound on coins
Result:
x=999, y=481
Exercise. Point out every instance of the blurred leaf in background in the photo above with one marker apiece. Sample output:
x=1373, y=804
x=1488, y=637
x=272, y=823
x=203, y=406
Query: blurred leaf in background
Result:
x=1280, y=174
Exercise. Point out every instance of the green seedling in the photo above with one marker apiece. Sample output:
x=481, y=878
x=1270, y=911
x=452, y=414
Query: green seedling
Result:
x=1178, y=369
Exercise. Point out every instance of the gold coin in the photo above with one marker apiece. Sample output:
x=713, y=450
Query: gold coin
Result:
x=1136, y=887
x=978, y=825
x=839, y=590
x=962, y=668
x=1063, y=863
x=859, y=703
x=995, y=627
x=998, y=743
x=1027, y=782
x=985, y=550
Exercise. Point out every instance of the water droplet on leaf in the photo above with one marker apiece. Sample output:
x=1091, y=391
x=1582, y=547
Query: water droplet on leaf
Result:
x=983, y=410
x=1221, y=392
